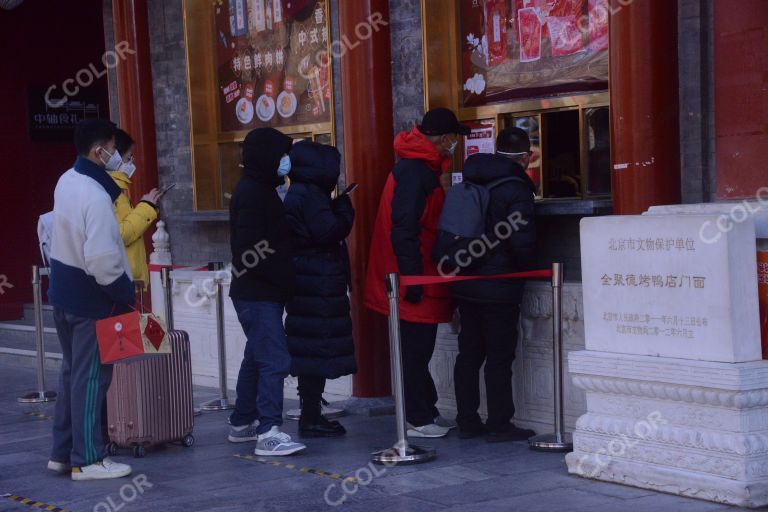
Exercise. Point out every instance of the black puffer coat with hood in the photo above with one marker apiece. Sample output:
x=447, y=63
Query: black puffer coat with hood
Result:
x=260, y=238
x=514, y=253
x=318, y=324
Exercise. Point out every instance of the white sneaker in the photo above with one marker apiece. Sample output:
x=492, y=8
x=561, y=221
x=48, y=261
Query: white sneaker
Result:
x=430, y=430
x=59, y=467
x=276, y=443
x=244, y=433
x=103, y=470
x=445, y=422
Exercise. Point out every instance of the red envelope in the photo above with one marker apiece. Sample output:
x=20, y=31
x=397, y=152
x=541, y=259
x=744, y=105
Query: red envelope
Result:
x=131, y=335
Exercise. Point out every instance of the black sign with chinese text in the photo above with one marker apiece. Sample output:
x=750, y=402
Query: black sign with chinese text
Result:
x=52, y=120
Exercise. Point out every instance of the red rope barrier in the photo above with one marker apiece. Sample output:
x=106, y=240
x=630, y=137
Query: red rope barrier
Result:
x=420, y=280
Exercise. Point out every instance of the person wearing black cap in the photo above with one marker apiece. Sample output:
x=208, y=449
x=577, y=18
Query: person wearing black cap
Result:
x=490, y=309
x=262, y=282
x=405, y=231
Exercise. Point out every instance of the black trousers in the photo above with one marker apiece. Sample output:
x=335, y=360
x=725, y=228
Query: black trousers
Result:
x=418, y=343
x=488, y=335
x=311, y=388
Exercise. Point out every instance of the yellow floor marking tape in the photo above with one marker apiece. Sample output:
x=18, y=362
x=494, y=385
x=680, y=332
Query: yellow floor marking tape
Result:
x=318, y=472
x=32, y=503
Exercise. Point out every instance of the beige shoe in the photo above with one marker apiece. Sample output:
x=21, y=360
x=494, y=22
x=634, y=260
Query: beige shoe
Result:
x=430, y=430
x=59, y=467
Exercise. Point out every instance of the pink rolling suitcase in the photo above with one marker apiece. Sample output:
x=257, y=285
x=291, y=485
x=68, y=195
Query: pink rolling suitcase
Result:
x=150, y=400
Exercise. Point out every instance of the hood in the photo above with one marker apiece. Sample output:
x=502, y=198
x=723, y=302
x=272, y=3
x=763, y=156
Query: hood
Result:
x=414, y=145
x=262, y=150
x=316, y=164
x=122, y=179
x=483, y=168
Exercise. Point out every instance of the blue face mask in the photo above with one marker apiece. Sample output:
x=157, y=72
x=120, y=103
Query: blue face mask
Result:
x=285, y=166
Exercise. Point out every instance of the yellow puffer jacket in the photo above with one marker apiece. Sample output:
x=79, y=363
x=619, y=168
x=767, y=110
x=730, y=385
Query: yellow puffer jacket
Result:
x=133, y=222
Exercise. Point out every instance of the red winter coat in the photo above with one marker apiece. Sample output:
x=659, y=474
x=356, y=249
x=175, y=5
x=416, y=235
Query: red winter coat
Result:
x=406, y=229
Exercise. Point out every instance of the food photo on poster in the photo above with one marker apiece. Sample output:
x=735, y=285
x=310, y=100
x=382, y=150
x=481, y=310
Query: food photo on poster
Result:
x=273, y=66
x=519, y=48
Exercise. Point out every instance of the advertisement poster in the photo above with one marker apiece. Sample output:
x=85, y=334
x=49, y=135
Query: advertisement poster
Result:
x=523, y=48
x=482, y=139
x=273, y=66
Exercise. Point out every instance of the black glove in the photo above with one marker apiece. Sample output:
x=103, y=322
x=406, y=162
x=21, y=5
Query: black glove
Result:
x=413, y=294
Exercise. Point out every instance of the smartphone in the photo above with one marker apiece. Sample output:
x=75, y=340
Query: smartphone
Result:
x=166, y=189
x=351, y=188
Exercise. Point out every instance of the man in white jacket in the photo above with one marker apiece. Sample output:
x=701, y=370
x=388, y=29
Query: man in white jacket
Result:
x=90, y=280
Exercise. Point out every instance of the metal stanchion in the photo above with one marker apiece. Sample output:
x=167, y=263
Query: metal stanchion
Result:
x=559, y=441
x=402, y=452
x=222, y=403
x=41, y=395
x=139, y=285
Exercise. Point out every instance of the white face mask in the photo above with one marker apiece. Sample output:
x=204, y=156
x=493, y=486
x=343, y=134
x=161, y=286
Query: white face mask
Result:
x=114, y=162
x=128, y=168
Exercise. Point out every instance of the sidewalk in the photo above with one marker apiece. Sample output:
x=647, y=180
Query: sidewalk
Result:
x=213, y=475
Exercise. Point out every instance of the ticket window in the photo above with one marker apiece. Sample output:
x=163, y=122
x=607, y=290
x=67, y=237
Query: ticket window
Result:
x=570, y=151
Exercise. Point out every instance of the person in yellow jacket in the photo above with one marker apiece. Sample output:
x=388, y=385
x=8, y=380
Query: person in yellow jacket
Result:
x=133, y=220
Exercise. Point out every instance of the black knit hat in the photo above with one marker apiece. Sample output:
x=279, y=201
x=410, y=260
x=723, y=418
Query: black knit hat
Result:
x=442, y=121
x=262, y=150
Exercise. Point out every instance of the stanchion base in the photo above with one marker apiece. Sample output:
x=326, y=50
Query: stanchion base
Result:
x=196, y=411
x=413, y=455
x=551, y=443
x=330, y=413
x=37, y=397
x=219, y=404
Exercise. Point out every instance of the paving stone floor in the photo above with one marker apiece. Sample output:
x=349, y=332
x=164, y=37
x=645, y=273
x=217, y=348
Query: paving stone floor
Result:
x=467, y=475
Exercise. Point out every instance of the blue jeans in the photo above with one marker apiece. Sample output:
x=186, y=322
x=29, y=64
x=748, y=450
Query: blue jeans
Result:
x=266, y=364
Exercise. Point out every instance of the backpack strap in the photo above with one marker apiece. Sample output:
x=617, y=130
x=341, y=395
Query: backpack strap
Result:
x=490, y=186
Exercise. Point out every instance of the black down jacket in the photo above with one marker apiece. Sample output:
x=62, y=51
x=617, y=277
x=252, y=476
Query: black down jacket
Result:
x=318, y=324
x=261, y=245
x=510, y=214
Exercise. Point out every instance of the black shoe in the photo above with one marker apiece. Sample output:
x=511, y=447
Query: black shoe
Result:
x=320, y=427
x=472, y=432
x=510, y=434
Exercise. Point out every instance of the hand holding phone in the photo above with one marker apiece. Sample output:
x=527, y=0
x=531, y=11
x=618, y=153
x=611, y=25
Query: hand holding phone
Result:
x=166, y=189
x=351, y=188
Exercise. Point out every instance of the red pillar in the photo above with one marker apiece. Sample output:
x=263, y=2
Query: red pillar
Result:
x=134, y=90
x=645, y=138
x=366, y=91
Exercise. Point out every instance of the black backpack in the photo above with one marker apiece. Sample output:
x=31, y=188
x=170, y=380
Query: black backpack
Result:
x=462, y=221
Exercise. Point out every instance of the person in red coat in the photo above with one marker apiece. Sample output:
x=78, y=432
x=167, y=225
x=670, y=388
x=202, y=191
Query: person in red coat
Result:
x=404, y=233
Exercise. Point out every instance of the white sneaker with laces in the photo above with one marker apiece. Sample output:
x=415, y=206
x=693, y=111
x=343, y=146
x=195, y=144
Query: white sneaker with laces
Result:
x=430, y=430
x=103, y=470
x=440, y=421
x=244, y=433
x=276, y=443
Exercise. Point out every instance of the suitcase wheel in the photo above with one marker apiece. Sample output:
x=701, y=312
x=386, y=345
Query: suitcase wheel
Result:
x=112, y=449
x=139, y=451
x=188, y=440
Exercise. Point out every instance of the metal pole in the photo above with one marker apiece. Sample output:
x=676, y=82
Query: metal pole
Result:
x=559, y=441
x=402, y=452
x=165, y=279
x=41, y=395
x=140, y=287
x=222, y=403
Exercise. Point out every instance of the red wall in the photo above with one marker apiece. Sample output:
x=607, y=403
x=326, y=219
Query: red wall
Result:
x=42, y=43
x=741, y=97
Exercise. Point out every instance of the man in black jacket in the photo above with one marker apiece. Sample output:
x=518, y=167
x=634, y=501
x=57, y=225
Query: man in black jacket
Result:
x=262, y=282
x=490, y=309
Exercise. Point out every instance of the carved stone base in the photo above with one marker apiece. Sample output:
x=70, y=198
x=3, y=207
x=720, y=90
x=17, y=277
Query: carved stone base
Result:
x=692, y=428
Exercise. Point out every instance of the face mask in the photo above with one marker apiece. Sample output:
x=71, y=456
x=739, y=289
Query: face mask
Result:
x=285, y=166
x=114, y=162
x=128, y=168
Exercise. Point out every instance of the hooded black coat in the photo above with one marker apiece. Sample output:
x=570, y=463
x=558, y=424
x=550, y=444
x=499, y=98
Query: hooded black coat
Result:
x=318, y=324
x=514, y=253
x=260, y=238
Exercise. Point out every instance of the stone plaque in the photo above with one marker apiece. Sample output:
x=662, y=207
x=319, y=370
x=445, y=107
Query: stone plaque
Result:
x=653, y=285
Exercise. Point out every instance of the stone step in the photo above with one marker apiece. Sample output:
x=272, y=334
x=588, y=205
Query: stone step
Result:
x=20, y=335
x=29, y=314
